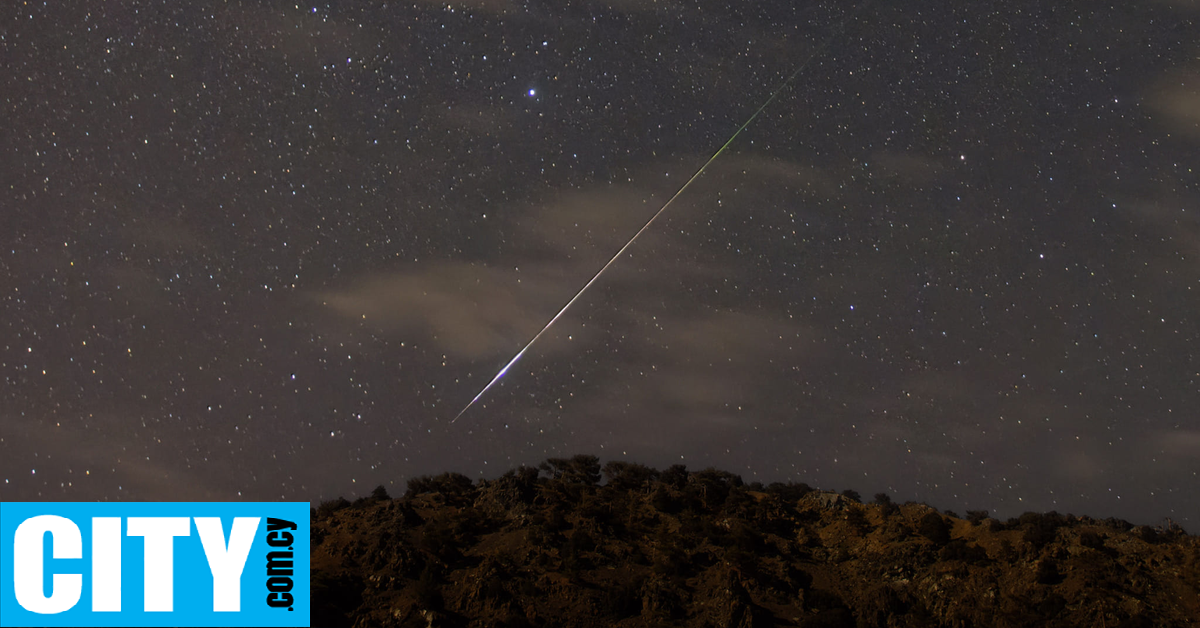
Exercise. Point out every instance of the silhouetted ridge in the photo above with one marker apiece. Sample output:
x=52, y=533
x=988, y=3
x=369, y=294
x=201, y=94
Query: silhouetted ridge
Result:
x=576, y=543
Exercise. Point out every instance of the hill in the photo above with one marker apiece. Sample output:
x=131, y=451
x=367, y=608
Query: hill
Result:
x=554, y=546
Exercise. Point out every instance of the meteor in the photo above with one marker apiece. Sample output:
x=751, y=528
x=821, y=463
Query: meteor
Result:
x=658, y=213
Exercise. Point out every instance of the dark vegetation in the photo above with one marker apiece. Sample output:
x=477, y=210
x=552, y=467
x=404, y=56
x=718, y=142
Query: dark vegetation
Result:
x=574, y=543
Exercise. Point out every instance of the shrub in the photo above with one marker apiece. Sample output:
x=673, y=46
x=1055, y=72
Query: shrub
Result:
x=439, y=539
x=959, y=549
x=788, y=492
x=453, y=484
x=676, y=476
x=1047, y=573
x=449, y=484
x=852, y=495
x=886, y=505
x=670, y=560
x=712, y=487
x=664, y=501
x=934, y=528
x=797, y=578
x=1091, y=539
x=418, y=485
x=1118, y=524
x=977, y=517
x=429, y=593
x=582, y=469
x=1007, y=553
x=520, y=483
x=581, y=541
x=745, y=537
x=857, y=520
x=573, y=558
x=329, y=507
x=335, y=598
x=624, y=598
x=1039, y=536
x=1051, y=606
x=628, y=476
x=1040, y=530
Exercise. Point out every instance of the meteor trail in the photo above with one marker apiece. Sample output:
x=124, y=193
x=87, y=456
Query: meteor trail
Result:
x=658, y=213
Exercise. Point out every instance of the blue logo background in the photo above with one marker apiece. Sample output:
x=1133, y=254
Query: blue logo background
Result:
x=193, y=590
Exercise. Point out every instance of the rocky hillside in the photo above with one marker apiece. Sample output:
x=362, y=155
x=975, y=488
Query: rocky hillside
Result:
x=555, y=546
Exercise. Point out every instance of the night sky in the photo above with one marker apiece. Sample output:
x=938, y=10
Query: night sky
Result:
x=254, y=250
